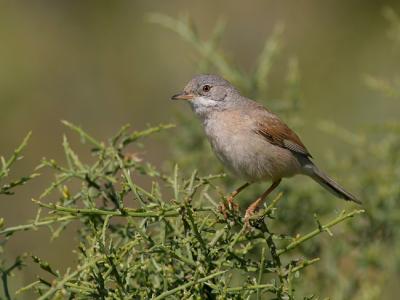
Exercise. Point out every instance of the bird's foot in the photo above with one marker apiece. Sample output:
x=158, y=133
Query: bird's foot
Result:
x=228, y=206
x=250, y=218
x=232, y=205
x=247, y=217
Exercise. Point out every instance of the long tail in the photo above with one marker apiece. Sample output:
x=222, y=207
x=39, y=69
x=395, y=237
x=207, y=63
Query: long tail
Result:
x=330, y=185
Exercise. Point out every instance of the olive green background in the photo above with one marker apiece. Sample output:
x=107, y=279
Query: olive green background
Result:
x=101, y=64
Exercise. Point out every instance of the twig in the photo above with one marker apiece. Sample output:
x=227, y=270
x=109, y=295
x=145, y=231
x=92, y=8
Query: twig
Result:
x=14, y=156
x=187, y=285
x=343, y=216
x=269, y=287
x=35, y=224
x=59, y=285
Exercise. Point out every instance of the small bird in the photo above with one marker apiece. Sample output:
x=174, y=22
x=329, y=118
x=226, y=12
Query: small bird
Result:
x=251, y=142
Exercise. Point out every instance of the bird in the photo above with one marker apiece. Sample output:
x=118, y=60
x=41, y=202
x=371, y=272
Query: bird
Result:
x=252, y=142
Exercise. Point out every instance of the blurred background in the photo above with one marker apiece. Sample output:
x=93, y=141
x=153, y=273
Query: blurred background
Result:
x=102, y=64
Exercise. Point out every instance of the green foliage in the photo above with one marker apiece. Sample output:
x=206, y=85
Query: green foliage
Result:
x=166, y=241
x=371, y=167
x=7, y=189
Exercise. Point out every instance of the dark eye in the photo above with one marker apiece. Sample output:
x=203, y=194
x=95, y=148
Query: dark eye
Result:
x=206, y=88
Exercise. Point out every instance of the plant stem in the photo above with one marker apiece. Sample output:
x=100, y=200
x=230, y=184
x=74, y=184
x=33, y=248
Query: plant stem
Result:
x=186, y=285
x=59, y=285
x=305, y=264
x=13, y=229
x=250, y=287
x=260, y=272
x=15, y=155
x=343, y=216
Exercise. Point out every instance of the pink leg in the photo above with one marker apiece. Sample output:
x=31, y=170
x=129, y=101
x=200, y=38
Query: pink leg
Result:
x=229, y=199
x=253, y=207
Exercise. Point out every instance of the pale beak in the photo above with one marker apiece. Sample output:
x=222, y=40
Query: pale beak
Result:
x=182, y=96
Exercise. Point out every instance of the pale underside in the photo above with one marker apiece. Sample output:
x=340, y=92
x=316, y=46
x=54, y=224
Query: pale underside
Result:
x=245, y=152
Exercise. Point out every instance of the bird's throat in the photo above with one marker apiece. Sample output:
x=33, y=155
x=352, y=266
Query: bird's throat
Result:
x=202, y=106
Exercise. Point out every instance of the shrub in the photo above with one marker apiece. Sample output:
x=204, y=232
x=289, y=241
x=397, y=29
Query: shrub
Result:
x=166, y=241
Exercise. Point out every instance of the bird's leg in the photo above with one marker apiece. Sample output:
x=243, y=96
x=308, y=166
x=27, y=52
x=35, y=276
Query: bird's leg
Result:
x=234, y=194
x=229, y=200
x=252, y=207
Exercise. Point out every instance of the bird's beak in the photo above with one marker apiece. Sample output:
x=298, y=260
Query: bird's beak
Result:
x=182, y=96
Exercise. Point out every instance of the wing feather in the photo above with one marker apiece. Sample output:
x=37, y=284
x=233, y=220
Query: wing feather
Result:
x=279, y=134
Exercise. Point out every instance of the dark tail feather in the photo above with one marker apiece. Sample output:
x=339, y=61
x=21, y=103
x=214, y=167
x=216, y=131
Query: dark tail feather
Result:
x=331, y=185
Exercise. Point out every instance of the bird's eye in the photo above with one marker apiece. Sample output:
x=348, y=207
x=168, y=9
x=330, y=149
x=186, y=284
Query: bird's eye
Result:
x=206, y=88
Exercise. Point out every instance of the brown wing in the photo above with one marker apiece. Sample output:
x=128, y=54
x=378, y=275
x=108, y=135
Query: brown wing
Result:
x=279, y=134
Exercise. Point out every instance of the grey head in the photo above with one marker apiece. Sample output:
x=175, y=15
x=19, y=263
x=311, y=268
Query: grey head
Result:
x=208, y=93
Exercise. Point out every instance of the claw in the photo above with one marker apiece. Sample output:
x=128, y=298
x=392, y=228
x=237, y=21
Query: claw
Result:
x=247, y=216
x=222, y=209
x=232, y=205
x=228, y=206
